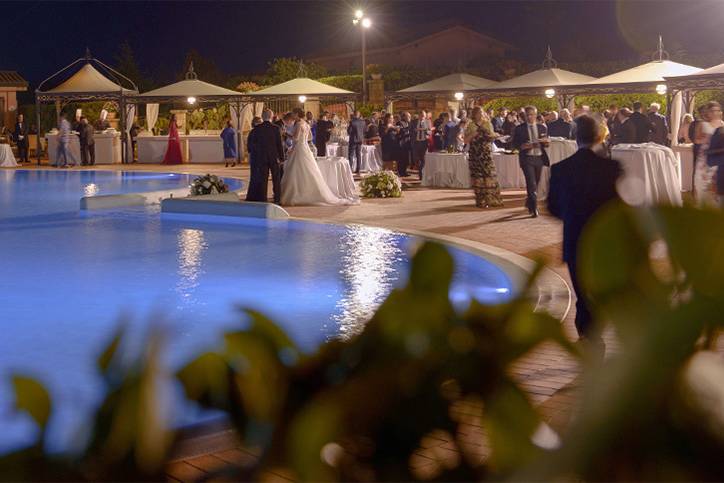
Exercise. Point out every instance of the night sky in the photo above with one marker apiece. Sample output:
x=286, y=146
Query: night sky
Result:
x=241, y=37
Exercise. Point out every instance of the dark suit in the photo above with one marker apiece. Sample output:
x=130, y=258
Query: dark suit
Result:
x=497, y=123
x=560, y=129
x=419, y=146
x=643, y=127
x=532, y=165
x=21, y=141
x=625, y=133
x=356, y=131
x=87, y=144
x=660, y=128
x=324, y=133
x=579, y=186
x=265, y=153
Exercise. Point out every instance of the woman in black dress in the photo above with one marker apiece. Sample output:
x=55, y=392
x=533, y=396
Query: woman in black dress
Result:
x=390, y=144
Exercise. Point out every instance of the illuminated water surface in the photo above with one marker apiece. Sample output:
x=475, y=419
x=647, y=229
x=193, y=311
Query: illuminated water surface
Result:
x=66, y=277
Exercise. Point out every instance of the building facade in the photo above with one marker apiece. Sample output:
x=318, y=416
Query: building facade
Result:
x=10, y=84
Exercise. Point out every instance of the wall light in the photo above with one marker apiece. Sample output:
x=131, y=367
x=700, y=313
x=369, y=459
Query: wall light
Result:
x=191, y=100
x=550, y=93
x=661, y=89
x=302, y=99
x=459, y=96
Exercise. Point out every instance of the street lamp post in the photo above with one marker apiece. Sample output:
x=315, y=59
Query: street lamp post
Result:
x=365, y=23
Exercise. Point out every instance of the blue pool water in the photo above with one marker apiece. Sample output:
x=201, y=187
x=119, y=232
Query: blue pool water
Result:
x=67, y=277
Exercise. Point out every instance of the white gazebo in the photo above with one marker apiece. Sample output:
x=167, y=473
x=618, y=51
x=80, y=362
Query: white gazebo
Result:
x=452, y=86
x=549, y=81
x=93, y=81
x=711, y=78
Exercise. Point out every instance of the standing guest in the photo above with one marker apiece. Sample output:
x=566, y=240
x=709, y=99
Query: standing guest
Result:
x=509, y=124
x=612, y=123
x=372, y=133
x=641, y=123
x=715, y=160
x=420, y=130
x=437, y=132
x=87, y=143
x=463, y=115
x=63, y=150
x=404, y=137
x=324, y=133
x=499, y=120
x=313, y=126
x=562, y=126
x=133, y=133
x=530, y=139
x=683, y=135
x=659, y=125
x=21, y=138
x=390, y=146
x=550, y=117
x=288, y=131
x=173, y=150
x=704, y=179
x=625, y=131
x=356, y=132
x=451, y=133
x=579, y=186
x=266, y=153
x=228, y=136
x=479, y=135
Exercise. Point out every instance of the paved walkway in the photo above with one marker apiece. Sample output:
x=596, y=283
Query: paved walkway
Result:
x=546, y=374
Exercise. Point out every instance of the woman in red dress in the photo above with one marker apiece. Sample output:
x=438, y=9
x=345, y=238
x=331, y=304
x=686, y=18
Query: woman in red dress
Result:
x=173, y=151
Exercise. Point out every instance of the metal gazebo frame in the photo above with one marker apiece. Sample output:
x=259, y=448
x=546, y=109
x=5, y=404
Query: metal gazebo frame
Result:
x=63, y=98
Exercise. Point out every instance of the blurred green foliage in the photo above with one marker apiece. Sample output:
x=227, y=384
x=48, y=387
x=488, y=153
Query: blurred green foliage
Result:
x=359, y=408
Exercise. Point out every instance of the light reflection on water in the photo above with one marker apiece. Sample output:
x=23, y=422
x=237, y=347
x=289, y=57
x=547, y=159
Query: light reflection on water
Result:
x=367, y=275
x=191, y=245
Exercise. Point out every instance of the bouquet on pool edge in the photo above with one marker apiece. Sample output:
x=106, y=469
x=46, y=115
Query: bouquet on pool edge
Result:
x=209, y=184
x=384, y=184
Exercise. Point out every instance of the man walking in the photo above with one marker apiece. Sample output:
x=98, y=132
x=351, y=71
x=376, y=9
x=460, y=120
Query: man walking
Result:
x=579, y=186
x=530, y=139
x=356, y=132
x=63, y=150
x=87, y=143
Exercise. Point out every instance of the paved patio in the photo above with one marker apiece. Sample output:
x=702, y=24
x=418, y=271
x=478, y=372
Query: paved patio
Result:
x=546, y=374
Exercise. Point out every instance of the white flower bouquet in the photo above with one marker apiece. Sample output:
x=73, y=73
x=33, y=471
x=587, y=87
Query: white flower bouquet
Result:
x=384, y=184
x=209, y=184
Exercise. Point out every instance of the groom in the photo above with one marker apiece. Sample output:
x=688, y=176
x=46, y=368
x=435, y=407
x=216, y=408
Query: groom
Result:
x=265, y=154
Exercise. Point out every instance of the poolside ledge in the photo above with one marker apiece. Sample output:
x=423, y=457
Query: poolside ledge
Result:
x=226, y=204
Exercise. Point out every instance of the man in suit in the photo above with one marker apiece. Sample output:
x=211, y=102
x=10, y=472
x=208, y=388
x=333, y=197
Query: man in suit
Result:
x=405, y=138
x=498, y=120
x=641, y=123
x=356, y=132
x=660, y=133
x=625, y=131
x=21, y=138
x=561, y=127
x=266, y=153
x=324, y=133
x=87, y=143
x=530, y=139
x=420, y=130
x=579, y=186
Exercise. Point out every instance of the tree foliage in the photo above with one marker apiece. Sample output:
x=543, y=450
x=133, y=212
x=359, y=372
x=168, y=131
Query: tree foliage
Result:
x=283, y=69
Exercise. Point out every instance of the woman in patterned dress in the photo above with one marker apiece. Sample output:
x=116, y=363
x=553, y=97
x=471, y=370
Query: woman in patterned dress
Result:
x=479, y=136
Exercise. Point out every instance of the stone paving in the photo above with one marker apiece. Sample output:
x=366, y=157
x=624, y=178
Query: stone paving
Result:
x=548, y=374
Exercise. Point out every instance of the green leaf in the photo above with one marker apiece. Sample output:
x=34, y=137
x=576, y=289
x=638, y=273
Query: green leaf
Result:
x=106, y=357
x=206, y=381
x=32, y=397
x=432, y=269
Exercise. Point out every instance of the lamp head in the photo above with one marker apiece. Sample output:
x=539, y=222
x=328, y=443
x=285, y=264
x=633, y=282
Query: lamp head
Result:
x=661, y=89
x=191, y=100
x=550, y=93
x=459, y=96
x=302, y=99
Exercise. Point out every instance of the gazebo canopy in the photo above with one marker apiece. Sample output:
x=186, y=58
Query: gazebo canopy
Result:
x=88, y=83
x=452, y=83
x=711, y=78
x=191, y=87
x=301, y=86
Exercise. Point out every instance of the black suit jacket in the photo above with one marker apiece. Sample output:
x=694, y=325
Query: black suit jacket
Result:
x=625, y=133
x=579, y=186
x=560, y=129
x=643, y=127
x=86, y=134
x=660, y=128
x=497, y=123
x=324, y=131
x=520, y=137
x=21, y=131
x=356, y=130
x=265, y=144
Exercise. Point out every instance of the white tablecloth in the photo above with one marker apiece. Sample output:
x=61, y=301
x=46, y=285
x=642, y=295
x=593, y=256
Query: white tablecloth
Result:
x=558, y=150
x=7, y=159
x=338, y=176
x=686, y=156
x=510, y=176
x=446, y=170
x=194, y=149
x=73, y=149
x=107, y=148
x=652, y=174
x=371, y=155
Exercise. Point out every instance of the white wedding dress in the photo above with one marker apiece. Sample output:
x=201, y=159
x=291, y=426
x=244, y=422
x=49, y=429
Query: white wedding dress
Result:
x=303, y=183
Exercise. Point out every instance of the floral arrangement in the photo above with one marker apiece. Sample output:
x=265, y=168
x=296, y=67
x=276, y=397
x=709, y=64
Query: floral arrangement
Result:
x=384, y=184
x=209, y=184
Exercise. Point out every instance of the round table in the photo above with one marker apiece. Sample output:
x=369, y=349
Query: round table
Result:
x=652, y=174
x=338, y=176
x=371, y=155
x=446, y=170
x=7, y=159
x=558, y=149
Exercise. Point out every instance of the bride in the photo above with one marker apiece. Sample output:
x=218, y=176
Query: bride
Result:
x=303, y=183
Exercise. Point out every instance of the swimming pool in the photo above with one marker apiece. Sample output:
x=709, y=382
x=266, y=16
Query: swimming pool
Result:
x=67, y=276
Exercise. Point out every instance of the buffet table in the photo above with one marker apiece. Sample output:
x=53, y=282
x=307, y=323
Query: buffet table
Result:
x=107, y=147
x=7, y=159
x=686, y=157
x=194, y=149
x=338, y=176
x=371, y=155
x=652, y=174
x=451, y=170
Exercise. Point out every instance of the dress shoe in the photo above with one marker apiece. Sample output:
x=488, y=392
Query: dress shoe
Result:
x=534, y=213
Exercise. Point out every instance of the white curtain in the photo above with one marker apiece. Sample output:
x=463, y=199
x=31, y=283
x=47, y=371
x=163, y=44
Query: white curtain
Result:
x=151, y=116
x=677, y=109
x=130, y=119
